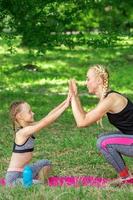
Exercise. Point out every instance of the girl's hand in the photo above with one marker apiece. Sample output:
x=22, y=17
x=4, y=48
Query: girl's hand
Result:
x=68, y=100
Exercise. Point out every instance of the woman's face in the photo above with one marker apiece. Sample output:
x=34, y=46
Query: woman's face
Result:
x=92, y=81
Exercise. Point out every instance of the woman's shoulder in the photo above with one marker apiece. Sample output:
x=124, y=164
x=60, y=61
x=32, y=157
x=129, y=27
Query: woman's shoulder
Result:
x=119, y=101
x=112, y=92
x=117, y=96
x=114, y=95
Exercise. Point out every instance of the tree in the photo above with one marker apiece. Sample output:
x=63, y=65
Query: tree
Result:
x=43, y=24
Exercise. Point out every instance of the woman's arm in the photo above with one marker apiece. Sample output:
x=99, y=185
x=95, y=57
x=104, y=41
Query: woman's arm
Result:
x=85, y=119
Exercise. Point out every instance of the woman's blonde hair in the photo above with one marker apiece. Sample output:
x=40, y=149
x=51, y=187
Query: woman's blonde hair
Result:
x=101, y=71
x=15, y=108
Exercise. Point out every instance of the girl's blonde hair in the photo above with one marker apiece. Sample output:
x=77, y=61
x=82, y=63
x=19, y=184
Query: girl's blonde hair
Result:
x=15, y=108
x=102, y=72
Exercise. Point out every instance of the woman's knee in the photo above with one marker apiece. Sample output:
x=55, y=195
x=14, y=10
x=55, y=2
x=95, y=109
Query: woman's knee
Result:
x=100, y=141
x=103, y=138
x=98, y=144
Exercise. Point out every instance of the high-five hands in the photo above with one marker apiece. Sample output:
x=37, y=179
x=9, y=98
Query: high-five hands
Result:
x=68, y=99
x=72, y=92
x=72, y=87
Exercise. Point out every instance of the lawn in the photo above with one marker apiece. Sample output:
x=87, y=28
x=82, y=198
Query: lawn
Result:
x=42, y=81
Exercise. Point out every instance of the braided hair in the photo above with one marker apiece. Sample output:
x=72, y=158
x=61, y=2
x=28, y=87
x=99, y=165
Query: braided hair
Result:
x=102, y=72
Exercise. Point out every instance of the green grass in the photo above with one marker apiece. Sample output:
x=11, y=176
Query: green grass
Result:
x=71, y=150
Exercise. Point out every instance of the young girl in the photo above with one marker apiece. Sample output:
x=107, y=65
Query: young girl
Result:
x=25, y=129
x=119, y=110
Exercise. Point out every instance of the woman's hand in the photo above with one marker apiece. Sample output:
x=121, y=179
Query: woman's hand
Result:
x=73, y=87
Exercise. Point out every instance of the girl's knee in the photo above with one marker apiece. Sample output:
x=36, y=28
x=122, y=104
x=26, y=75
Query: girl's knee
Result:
x=46, y=163
x=43, y=163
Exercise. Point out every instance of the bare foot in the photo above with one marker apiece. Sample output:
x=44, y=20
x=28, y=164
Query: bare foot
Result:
x=44, y=174
x=118, y=181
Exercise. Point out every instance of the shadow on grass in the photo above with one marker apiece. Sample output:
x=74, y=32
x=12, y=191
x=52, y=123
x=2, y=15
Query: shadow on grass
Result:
x=63, y=64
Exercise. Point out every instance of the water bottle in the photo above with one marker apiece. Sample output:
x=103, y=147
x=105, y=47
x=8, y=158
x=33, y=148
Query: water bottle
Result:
x=27, y=176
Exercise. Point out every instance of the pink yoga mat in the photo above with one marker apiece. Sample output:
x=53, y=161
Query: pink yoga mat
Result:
x=76, y=181
x=2, y=181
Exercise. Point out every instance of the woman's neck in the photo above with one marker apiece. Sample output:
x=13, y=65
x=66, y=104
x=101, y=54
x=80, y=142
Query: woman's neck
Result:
x=100, y=91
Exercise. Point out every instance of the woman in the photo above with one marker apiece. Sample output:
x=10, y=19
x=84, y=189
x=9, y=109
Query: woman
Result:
x=119, y=110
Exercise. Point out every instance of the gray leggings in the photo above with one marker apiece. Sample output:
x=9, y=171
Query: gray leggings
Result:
x=113, y=145
x=14, y=177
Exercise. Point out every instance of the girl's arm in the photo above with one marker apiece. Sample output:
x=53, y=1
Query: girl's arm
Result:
x=50, y=118
x=57, y=108
x=85, y=119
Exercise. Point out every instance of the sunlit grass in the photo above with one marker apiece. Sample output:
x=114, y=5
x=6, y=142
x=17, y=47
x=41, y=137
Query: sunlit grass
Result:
x=125, y=40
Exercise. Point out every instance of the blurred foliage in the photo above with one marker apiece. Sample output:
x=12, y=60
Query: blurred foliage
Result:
x=45, y=24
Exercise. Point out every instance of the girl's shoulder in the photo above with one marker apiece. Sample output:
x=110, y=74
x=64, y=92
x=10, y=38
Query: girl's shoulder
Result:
x=17, y=129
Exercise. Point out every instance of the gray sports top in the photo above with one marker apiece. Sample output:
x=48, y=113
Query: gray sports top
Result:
x=28, y=146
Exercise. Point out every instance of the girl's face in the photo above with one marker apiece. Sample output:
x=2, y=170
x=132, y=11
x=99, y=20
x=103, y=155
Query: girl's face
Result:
x=92, y=81
x=26, y=113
